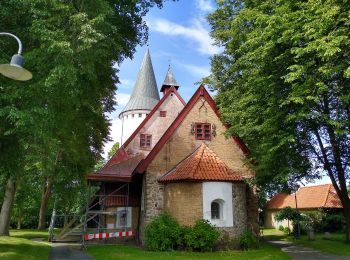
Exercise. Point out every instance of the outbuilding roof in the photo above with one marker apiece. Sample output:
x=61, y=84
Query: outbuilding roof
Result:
x=201, y=165
x=145, y=94
x=310, y=197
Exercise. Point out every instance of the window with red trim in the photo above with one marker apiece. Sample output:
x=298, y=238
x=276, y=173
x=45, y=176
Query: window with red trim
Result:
x=162, y=113
x=145, y=141
x=203, y=131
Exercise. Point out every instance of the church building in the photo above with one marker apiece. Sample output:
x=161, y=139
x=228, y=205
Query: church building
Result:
x=174, y=157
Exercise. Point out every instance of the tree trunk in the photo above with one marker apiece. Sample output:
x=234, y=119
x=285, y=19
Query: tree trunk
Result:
x=347, y=227
x=45, y=196
x=19, y=218
x=5, y=214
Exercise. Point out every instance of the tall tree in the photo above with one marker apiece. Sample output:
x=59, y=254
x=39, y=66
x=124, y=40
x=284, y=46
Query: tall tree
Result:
x=57, y=120
x=283, y=84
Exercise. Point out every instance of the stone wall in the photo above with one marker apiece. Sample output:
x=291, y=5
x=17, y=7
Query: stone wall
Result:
x=239, y=210
x=184, y=201
x=252, y=210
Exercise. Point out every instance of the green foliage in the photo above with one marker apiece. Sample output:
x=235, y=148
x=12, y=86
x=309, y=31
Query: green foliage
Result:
x=201, y=237
x=113, y=150
x=248, y=241
x=282, y=83
x=287, y=231
x=54, y=126
x=288, y=213
x=162, y=233
x=281, y=228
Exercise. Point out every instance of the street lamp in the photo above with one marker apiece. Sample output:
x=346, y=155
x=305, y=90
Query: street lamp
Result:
x=14, y=70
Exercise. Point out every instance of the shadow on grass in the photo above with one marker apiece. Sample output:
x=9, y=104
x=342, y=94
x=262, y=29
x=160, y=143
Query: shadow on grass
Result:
x=20, y=248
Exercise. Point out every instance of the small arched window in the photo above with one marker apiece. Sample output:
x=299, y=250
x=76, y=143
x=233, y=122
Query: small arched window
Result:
x=215, y=210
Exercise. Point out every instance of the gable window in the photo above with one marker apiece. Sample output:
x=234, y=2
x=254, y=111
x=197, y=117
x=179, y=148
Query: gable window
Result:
x=162, y=113
x=215, y=210
x=202, y=131
x=145, y=141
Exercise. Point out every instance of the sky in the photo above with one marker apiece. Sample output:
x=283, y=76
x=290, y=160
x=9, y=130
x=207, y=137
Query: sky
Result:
x=178, y=35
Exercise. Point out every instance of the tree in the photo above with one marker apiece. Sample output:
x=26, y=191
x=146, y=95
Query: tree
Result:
x=56, y=123
x=113, y=150
x=283, y=85
x=290, y=214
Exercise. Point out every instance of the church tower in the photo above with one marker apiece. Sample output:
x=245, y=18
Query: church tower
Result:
x=143, y=98
x=169, y=82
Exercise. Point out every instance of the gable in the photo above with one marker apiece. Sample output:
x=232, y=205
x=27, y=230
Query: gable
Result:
x=179, y=140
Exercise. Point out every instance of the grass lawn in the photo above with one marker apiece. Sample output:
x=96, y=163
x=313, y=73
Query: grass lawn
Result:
x=19, y=245
x=335, y=245
x=131, y=252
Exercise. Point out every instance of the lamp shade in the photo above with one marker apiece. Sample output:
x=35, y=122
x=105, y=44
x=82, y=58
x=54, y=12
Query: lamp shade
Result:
x=14, y=70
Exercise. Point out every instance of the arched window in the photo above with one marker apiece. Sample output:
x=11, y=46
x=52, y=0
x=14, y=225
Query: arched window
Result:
x=215, y=210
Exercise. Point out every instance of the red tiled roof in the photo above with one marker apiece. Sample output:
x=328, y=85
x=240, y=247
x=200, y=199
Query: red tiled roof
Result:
x=202, y=165
x=121, y=171
x=311, y=197
x=200, y=92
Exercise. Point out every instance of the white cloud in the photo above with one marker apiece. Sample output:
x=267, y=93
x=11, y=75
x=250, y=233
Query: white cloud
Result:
x=195, y=32
x=125, y=84
x=122, y=99
x=197, y=71
x=204, y=5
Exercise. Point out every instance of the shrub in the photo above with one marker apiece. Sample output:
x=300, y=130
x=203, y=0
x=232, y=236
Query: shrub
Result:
x=248, y=241
x=286, y=231
x=201, y=237
x=162, y=233
x=281, y=228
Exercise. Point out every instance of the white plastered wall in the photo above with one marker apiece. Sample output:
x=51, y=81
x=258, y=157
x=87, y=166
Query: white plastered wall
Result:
x=221, y=191
x=130, y=121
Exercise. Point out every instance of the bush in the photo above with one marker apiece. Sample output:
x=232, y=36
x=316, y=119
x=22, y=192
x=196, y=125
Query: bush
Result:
x=286, y=231
x=162, y=234
x=201, y=237
x=248, y=241
x=333, y=223
x=281, y=228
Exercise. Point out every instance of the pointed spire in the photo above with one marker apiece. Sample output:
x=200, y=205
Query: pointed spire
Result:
x=169, y=81
x=145, y=93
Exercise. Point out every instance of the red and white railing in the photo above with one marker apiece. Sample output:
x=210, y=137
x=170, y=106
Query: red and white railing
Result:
x=106, y=235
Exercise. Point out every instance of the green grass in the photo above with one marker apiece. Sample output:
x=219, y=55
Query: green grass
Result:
x=335, y=245
x=19, y=245
x=132, y=252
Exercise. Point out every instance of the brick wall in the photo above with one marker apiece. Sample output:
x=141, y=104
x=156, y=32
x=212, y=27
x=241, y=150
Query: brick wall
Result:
x=184, y=202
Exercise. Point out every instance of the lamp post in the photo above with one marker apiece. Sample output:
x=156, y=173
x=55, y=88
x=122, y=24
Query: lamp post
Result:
x=15, y=69
x=297, y=234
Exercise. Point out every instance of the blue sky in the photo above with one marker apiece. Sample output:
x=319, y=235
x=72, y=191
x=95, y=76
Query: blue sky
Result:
x=179, y=35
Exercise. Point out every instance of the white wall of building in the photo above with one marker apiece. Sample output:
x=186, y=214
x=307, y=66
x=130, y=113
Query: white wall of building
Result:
x=222, y=192
x=130, y=121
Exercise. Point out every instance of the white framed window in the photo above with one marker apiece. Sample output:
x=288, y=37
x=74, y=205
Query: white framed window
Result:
x=124, y=217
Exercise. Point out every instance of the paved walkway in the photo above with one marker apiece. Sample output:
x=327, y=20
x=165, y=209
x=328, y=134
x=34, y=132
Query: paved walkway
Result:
x=63, y=251
x=68, y=251
x=299, y=252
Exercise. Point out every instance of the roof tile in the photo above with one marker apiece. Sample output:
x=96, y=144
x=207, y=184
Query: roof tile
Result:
x=202, y=165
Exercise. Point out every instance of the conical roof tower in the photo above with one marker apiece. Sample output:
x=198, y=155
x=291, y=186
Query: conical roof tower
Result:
x=145, y=94
x=169, y=81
